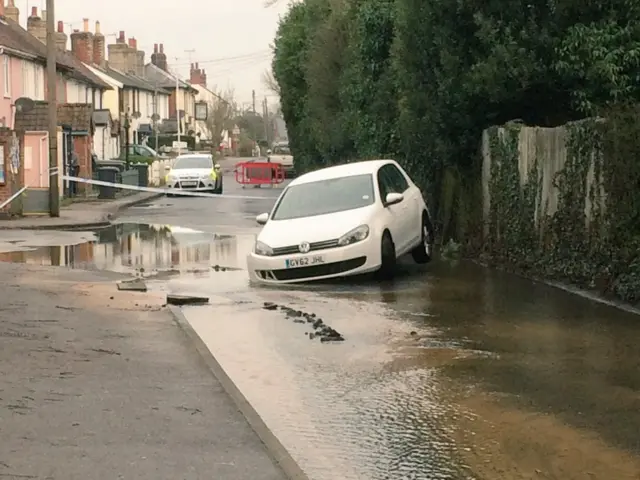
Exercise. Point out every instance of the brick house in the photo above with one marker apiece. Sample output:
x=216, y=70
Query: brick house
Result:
x=157, y=72
x=131, y=94
x=23, y=59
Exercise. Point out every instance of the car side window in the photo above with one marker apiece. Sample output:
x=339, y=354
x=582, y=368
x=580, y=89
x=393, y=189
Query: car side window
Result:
x=385, y=185
x=398, y=180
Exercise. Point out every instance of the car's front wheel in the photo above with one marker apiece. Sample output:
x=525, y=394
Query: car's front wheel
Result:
x=422, y=253
x=388, y=258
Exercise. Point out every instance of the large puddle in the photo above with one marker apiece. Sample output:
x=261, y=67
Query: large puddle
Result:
x=150, y=250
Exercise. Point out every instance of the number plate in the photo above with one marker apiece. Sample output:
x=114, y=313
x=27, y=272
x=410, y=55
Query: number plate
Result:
x=304, y=261
x=188, y=184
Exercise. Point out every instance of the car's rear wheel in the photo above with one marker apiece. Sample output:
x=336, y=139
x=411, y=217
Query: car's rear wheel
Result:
x=423, y=253
x=388, y=257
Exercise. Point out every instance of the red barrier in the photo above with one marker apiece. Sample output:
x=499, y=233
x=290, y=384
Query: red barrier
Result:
x=259, y=173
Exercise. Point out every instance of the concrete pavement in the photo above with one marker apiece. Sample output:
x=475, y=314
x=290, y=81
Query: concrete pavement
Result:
x=97, y=383
x=88, y=214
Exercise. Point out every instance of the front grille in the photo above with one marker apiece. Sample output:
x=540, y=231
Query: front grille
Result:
x=313, y=271
x=199, y=185
x=293, y=249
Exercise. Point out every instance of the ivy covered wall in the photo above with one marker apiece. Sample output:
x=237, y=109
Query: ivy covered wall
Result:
x=564, y=203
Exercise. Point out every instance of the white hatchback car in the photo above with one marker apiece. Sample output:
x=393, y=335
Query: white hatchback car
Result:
x=340, y=221
x=194, y=172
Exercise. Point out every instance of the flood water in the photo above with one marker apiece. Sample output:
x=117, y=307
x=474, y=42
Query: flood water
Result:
x=458, y=372
x=128, y=248
x=451, y=372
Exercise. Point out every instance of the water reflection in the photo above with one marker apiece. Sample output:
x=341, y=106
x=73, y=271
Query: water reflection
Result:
x=130, y=246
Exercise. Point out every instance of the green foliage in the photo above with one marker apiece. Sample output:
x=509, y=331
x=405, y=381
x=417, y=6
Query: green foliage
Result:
x=252, y=125
x=419, y=81
x=592, y=238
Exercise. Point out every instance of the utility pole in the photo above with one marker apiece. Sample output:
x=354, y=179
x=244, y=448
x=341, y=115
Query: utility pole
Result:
x=54, y=191
x=178, y=120
x=265, y=110
x=253, y=102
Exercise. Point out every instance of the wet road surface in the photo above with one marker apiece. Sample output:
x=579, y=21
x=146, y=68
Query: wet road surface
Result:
x=452, y=371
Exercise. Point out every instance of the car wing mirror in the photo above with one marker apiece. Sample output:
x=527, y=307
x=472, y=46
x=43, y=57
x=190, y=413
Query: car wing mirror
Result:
x=262, y=219
x=393, y=198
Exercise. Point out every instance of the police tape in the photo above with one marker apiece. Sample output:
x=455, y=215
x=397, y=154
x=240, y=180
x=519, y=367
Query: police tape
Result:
x=196, y=192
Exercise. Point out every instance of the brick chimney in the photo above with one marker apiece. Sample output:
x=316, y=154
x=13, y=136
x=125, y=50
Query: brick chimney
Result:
x=61, y=37
x=36, y=26
x=12, y=12
x=159, y=58
x=135, y=60
x=197, y=76
x=99, y=57
x=82, y=43
x=121, y=55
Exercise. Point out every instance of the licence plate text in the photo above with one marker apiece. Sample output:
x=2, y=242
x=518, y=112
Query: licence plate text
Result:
x=304, y=261
x=188, y=184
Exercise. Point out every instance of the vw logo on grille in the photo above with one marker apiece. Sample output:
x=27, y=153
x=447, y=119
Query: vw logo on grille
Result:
x=304, y=247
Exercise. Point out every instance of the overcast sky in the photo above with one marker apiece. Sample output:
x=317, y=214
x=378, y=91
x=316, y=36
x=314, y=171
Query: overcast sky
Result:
x=231, y=38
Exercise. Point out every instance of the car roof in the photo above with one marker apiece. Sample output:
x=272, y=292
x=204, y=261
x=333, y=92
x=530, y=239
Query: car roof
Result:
x=346, y=170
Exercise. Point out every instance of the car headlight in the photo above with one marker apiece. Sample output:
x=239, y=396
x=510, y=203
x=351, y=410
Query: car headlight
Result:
x=212, y=175
x=261, y=248
x=354, y=236
x=170, y=178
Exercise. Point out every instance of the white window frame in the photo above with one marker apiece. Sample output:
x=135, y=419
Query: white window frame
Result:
x=7, y=76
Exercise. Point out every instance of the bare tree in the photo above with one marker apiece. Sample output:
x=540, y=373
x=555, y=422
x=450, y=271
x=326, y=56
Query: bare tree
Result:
x=270, y=82
x=220, y=115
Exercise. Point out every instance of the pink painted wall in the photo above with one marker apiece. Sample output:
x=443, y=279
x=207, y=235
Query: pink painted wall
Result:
x=6, y=111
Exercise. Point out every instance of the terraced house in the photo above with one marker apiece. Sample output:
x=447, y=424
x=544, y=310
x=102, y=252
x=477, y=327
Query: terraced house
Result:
x=25, y=133
x=181, y=106
x=133, y=104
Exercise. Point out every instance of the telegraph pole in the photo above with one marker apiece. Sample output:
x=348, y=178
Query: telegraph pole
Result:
x=54, y=192
x=265, y=110
x=253, y=102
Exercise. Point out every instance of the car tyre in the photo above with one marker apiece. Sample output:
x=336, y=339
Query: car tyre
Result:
x=388, y=257
x=424, y=252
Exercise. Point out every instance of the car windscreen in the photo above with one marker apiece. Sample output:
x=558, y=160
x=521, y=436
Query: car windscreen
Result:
x=282, y=151
x=192, y=162
x=325, y=196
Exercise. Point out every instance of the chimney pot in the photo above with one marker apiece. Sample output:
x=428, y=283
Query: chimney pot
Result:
x=60, y=26
x=34, y=11
x=161, y=48
x=85, y=24
x=132, y=43
x=97, y=27
x=155, y=48
x=121, y=37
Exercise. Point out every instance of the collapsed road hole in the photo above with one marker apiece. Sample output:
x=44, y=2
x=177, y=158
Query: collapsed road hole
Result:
x=321, y=330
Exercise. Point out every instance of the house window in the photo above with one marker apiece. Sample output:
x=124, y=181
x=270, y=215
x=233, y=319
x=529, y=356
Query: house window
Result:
x=7, y=76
